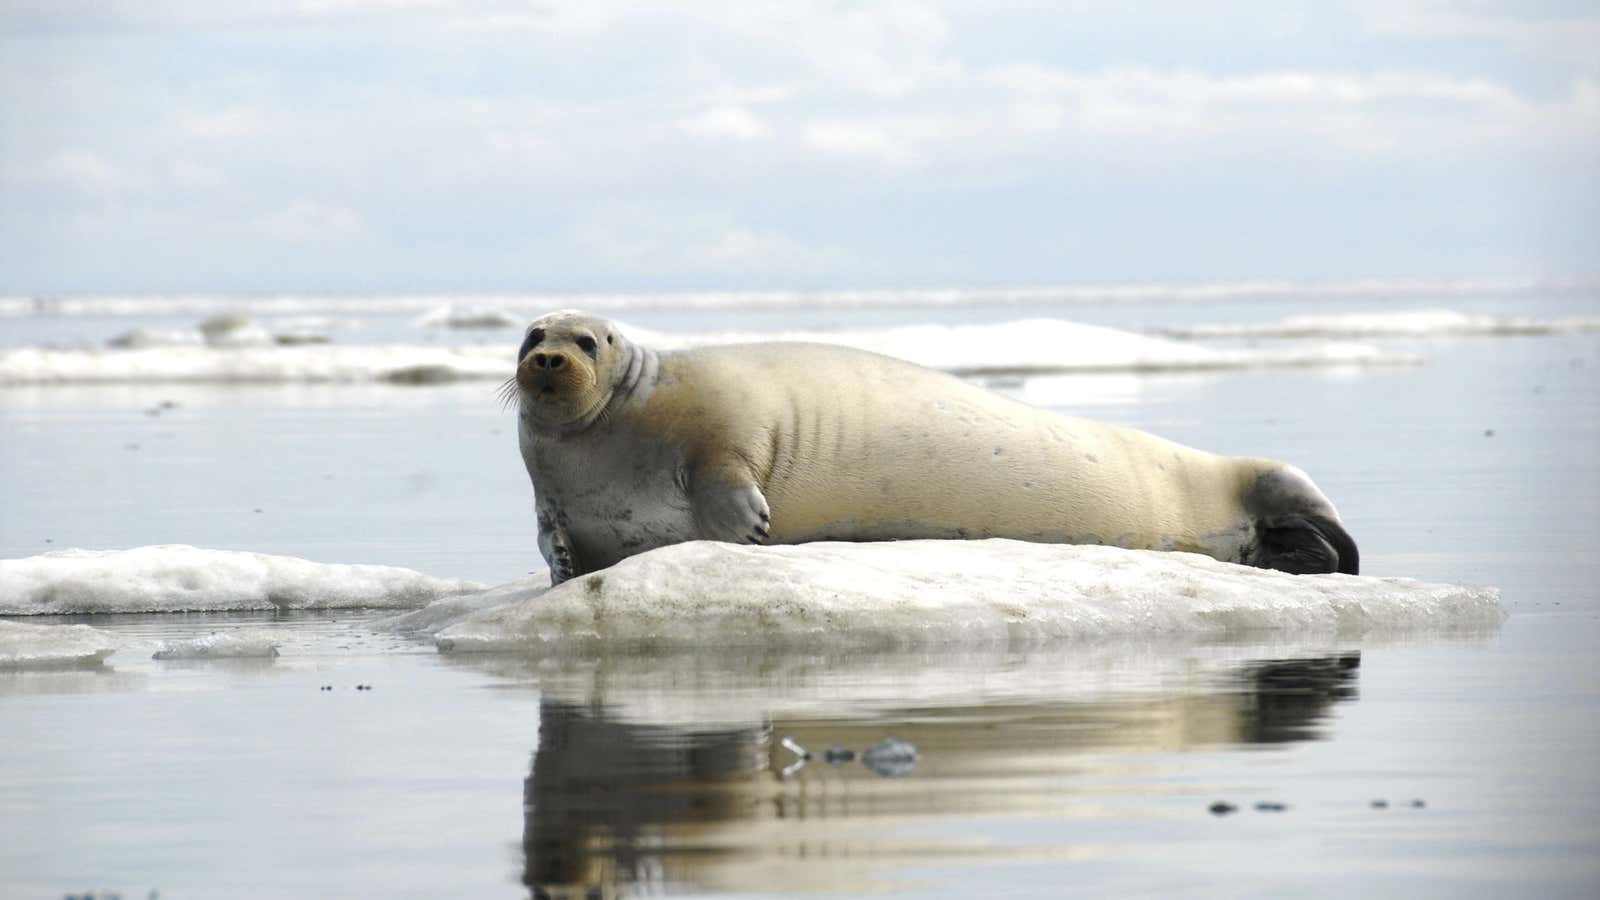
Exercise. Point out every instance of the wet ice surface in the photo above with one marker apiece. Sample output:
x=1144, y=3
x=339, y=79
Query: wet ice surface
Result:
x=909, y=593
x=833, y=596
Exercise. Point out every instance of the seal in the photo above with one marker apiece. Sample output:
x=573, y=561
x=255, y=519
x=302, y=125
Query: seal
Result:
x=630, y=449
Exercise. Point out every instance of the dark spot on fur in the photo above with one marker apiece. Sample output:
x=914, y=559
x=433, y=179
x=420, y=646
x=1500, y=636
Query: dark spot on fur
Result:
x=594, y=583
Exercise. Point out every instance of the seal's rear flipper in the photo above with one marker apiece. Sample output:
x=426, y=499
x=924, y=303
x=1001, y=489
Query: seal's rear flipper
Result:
x=1305, y=545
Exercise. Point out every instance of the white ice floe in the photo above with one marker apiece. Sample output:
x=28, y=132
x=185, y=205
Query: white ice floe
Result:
x=178, y=578
x=36, y=646
x=241, y=644
x=144, y=338
x=918, y=593
x=1419, y=323
x=1024, y=347
x=234, y=330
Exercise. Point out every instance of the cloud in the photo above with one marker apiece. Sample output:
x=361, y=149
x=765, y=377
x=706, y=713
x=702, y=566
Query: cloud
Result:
x=507, y=143
x=80, y=173
x=224, y=124
x=869, y=140
x=733, y=122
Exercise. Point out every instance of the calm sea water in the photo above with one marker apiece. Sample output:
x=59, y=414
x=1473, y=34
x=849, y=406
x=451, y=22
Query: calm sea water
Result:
x=1074, y=770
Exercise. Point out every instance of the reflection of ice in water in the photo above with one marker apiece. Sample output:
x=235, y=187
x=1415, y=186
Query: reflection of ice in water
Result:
x=619, y=803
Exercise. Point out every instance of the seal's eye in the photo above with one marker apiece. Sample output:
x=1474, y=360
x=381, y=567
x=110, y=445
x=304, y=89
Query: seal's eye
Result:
x=611, y=339
x=529, y=342
x=586, y=344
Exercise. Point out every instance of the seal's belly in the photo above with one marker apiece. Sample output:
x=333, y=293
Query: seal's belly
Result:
x=614, y=505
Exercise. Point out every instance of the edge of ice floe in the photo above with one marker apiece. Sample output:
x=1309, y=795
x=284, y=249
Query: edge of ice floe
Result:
x=924, y=593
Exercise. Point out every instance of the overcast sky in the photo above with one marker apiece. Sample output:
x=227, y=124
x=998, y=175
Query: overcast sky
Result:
x=413, y=146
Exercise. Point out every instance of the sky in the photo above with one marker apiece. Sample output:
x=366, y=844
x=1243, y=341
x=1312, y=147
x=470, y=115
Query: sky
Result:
x=409, y=146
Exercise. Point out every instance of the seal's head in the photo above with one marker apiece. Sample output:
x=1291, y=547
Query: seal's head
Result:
x=567, y=370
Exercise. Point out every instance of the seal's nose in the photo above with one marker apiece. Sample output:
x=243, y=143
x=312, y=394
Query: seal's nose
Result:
x=550, y=361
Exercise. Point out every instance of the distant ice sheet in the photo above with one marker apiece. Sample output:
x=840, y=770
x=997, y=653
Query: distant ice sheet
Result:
x=273, y=364
x=919, y=593
x=534, y=304
x=1032, y=346
x=25, y=646
x=178, y=578
x=1418, y=323
x=1044, y=346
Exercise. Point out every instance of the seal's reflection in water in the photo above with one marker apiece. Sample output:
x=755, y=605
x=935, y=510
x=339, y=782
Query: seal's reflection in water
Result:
x=660, y=778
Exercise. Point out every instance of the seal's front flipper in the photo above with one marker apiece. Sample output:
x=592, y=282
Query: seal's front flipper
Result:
x=728, y=506
x=1305, y=545
x=557, y=550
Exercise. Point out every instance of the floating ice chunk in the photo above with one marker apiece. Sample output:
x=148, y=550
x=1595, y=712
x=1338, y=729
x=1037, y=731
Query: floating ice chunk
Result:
x=178, y=578
x=222, y=645
x=1404, y=323
x=918, y=593
x=233, y=330
x=37, y=646
x=142, y=338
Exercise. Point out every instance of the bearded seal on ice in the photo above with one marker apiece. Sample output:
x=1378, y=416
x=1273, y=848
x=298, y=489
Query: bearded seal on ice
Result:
x=630, y=449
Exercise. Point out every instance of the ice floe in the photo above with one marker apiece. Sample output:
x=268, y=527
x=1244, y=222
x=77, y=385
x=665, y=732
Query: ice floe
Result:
x=920, y=593
x=179, y=578
x=234, y=330
x=24, y=645
x=239, y=644
x=1420, y=323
